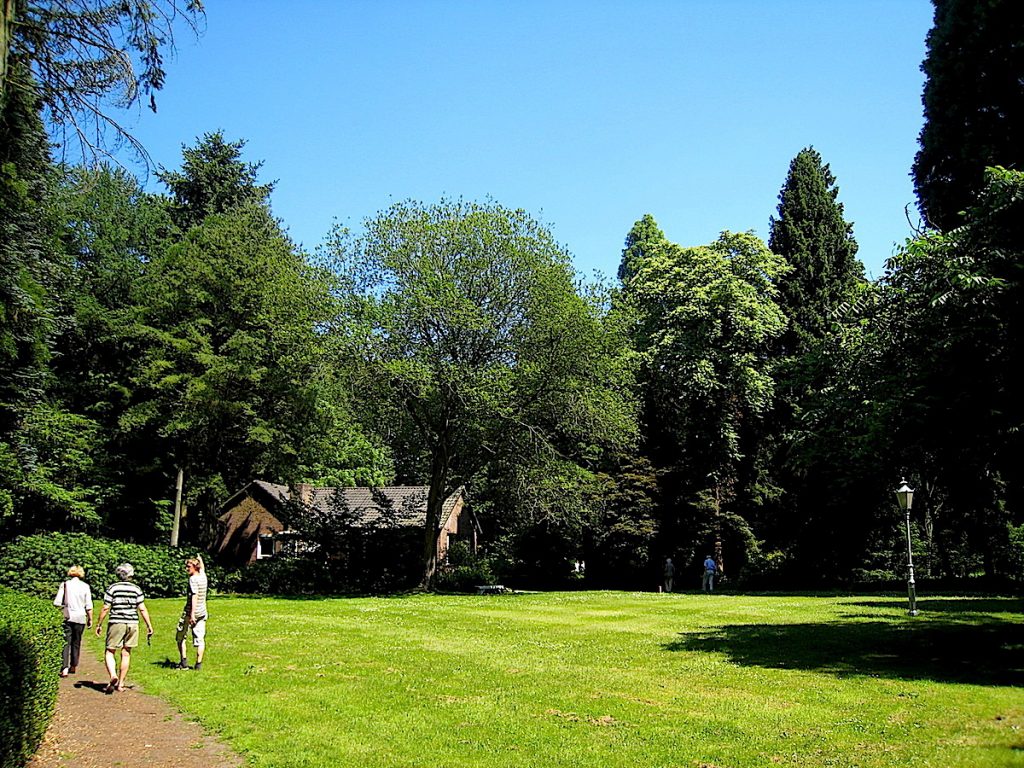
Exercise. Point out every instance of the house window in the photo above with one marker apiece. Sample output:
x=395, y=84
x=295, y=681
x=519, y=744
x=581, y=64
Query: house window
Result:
x=265, y=546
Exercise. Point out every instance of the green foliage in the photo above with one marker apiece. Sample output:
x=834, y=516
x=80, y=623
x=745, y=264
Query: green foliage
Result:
x=622, y=547
x=31, y=638
x=952, y=313
x=642, y=241
x=110, y=229
x=479, y=346
x=235, y=380
x=47, y=471
x=973, y=105
x=817, y=242
x=707, y=319
x=1014, y=553
x=282, y=576
x=37, y=564
x=213, y=180
x=465, y=570
x=26, y=320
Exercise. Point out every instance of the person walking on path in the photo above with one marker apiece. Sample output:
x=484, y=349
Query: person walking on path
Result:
x=194, y=615
x=125, y=602
x=710, y=568
x=75, y=598
x=670, y=572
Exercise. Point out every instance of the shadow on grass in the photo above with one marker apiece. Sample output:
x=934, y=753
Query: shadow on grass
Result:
x=983, y=653
x=165, y=663
x=966, y=607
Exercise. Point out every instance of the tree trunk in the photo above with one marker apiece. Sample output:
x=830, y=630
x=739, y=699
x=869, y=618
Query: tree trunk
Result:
x=176, y=525
x=7, y=11
x=435, y=501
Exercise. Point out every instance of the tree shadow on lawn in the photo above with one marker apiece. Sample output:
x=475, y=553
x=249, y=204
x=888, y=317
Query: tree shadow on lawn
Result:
x=989, y=652
x=965, y=608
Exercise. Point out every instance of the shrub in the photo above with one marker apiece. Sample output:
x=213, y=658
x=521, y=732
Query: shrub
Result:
x=465, y=570
x=37, y=564
x=31, y=638
x=280, y=576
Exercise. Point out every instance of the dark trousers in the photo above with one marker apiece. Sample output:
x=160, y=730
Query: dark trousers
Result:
x=72, y=643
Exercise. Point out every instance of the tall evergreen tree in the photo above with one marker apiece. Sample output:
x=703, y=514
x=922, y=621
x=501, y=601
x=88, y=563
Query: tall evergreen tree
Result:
x=213, y=179
x=645, y=237
x=812, y=235
x=25, y=314
x=45, y=462
x=109, y=228
x=973, y=104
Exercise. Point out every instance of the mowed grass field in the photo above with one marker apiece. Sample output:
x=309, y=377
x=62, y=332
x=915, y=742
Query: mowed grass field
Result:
x=603, y=679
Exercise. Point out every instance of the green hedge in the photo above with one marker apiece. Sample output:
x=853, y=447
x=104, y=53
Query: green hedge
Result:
x=37, y=564
x=31, y=639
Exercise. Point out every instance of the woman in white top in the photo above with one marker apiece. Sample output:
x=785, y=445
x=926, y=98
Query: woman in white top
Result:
x=75, y=597
x=194, y=616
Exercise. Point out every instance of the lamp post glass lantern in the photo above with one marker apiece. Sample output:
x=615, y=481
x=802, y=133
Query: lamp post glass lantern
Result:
x=905, y=497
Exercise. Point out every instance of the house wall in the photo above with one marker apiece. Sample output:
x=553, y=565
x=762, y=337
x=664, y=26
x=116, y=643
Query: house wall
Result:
x=451, y=528
x=241, y=526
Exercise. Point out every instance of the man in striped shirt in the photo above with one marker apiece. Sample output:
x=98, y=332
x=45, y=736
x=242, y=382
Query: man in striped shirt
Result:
x=125, y=602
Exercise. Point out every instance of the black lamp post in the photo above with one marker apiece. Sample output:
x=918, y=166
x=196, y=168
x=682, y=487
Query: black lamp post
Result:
x=905, y=496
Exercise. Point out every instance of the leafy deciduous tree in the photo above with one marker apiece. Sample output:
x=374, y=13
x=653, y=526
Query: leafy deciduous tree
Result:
x=708, y=317
x=483, y=340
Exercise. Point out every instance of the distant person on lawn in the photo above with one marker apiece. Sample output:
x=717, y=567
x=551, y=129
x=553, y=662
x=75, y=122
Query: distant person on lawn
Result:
x=125, y=603
x=670, y=572
x=710, y=568
x=194, y=615
x=75, y=597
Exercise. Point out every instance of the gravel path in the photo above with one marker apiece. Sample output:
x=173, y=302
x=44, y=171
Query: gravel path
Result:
x=127, y=729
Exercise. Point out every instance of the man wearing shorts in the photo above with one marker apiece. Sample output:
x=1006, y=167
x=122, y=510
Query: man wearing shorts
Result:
x=194, y=616
x=124, y=601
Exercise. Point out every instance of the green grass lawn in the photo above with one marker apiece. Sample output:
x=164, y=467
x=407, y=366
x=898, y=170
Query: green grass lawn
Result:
x=604, y=679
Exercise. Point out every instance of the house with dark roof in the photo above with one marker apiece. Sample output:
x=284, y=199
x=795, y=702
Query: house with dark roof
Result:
x=259, y=521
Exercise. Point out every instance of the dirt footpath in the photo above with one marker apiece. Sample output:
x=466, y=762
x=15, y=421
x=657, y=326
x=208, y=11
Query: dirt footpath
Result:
x=129, y=729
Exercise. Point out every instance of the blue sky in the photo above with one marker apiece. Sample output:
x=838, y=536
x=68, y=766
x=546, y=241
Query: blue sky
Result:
x=586, y=114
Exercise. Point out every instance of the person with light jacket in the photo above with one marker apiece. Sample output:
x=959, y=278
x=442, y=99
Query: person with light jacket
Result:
x=74, y=597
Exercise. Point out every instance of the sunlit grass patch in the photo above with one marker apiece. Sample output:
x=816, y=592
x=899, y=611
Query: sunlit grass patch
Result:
x=605, y=679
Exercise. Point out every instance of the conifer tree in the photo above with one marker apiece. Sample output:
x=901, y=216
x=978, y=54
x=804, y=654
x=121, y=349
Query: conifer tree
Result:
x=25, y=322
x=643, y=238
x=213, y=179
x=973, y=104
x=812, y=235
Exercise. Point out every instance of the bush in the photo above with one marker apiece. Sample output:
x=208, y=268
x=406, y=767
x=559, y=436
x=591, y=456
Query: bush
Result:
x=31, y=639
x=281, y=576
x=37, y=564
x=465, y=570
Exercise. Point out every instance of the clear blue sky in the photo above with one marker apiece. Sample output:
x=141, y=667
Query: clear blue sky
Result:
x=586, y=114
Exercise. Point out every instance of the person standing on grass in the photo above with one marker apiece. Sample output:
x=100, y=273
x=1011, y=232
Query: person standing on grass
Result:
x=710, y=568
x=670, y=572
x=75, y=597
x=125, y=603
x=194, y=615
